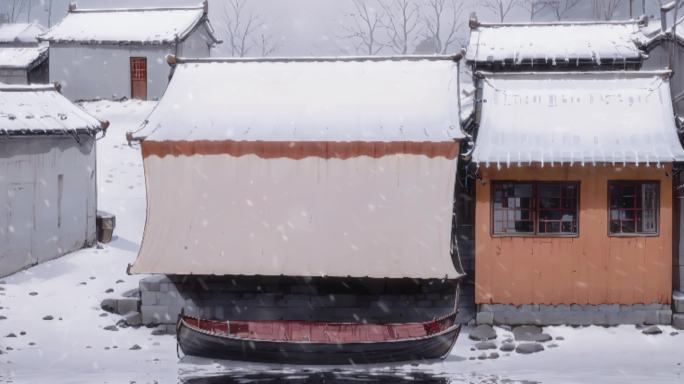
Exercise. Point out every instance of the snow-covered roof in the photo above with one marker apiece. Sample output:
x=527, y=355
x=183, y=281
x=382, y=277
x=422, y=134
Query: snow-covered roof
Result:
x=580, y=117
x=22, y=57
x=23, y=33
x=554, y=43
x=324, y=99
x=128, y=25
x=41, y=110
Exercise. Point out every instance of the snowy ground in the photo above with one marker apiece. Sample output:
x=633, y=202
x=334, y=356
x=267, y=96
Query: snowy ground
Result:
x=73, y=347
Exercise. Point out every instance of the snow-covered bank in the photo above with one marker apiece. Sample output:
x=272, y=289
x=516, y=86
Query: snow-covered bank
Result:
x=61, y=352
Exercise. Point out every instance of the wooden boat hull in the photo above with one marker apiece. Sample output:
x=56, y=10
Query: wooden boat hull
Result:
x=196, y=342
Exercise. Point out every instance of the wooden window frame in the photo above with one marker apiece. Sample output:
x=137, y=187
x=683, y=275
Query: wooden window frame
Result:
x=534, y=210
x=657, y=208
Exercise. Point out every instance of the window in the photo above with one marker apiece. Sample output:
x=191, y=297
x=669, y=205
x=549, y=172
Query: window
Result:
x=535, y=208
x=633, y=207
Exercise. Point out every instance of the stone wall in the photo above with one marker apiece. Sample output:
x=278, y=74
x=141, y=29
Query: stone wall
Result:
x=286, y=298
x=608, y=314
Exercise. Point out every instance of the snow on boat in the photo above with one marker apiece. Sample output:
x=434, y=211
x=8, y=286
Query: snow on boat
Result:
x=308, y=342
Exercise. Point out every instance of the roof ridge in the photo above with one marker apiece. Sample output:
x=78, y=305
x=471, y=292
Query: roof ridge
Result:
x=141, y=9
x=29, y=88
x=558, y=23
x=172, y=60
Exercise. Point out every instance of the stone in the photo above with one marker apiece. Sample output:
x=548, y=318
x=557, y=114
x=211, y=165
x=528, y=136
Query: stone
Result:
x=482, y=357
x=22, y=333
x=652, y=330
x=482, y=332
x=484, y=318
x=48, y=317
x=135, y=293
x=526, y=332
x=484, y=345
x=493, y=355
x=3, y=318
x=135, y=347
x=133, y=319
x=542, y=338
x=33, y=293
x=507, y=347
x=104, y=314
x=553, y=345
x=161, y=330
x=678, y=301
x=108, y=305
x=109, y=290
x=528, y=348
x=11, y=335
x=112, y=328
x=560, y=338
x=126, y=305
x=674, y=333
x=678, y=321
x=119, y=281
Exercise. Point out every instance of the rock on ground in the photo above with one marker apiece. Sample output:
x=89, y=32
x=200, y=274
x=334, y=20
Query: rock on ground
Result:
x=507, y=347
x=484, y=345
x=482, y=333
x=652, y=330
x=527, y=348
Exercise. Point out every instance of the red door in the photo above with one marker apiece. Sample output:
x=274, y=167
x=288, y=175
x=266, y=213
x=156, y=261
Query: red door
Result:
x=139, y=78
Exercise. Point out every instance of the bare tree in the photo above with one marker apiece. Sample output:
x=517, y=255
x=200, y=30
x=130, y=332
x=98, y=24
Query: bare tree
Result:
x=12, y=8
x=442, y=22
x=401, y=22
x=534, y=7
x=606, y=9
x=365, y=28
x=500, y=8
x=560, y=8
x=245, y=30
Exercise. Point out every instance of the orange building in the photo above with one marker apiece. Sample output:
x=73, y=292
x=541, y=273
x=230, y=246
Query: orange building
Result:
x=573, y=197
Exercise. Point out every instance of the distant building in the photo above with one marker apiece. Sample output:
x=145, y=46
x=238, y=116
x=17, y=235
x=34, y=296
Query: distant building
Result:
x=23, y=59
x=47, y=175
x=117, y=53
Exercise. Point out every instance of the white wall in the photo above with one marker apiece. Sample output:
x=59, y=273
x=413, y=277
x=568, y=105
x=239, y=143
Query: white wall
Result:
x=40, y=217
x=196, y=45
x=89, y=72
x=13, y=76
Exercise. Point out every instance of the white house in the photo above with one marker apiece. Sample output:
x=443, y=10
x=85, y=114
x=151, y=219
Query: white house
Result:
x=23, y=59
x=116, y=53
x=47, y=175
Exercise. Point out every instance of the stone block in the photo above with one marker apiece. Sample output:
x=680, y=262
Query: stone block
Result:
x=133, y=319
x=127, y=305
x=678, y=321
x=664, y=316
x=150, y=297
x=155, y=314
x=153, y=283
x=485, y=318
x=678, y=301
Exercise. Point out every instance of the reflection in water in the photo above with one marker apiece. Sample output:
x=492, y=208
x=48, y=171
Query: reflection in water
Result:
x=308, y=377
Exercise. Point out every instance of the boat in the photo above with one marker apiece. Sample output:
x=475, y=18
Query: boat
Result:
x=314, y=342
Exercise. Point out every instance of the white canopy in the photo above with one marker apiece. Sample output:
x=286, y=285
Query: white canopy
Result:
x=41, y=109
x=554, y=42
x=124, y=25
x=326, y=167
x=580, y=117
x=409, y=99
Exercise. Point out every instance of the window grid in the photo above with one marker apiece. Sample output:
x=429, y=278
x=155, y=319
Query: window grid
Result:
x=633, y=207
x=513, y=216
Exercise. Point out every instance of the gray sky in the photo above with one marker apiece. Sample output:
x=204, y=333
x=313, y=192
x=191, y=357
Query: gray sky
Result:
x=301, y=27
